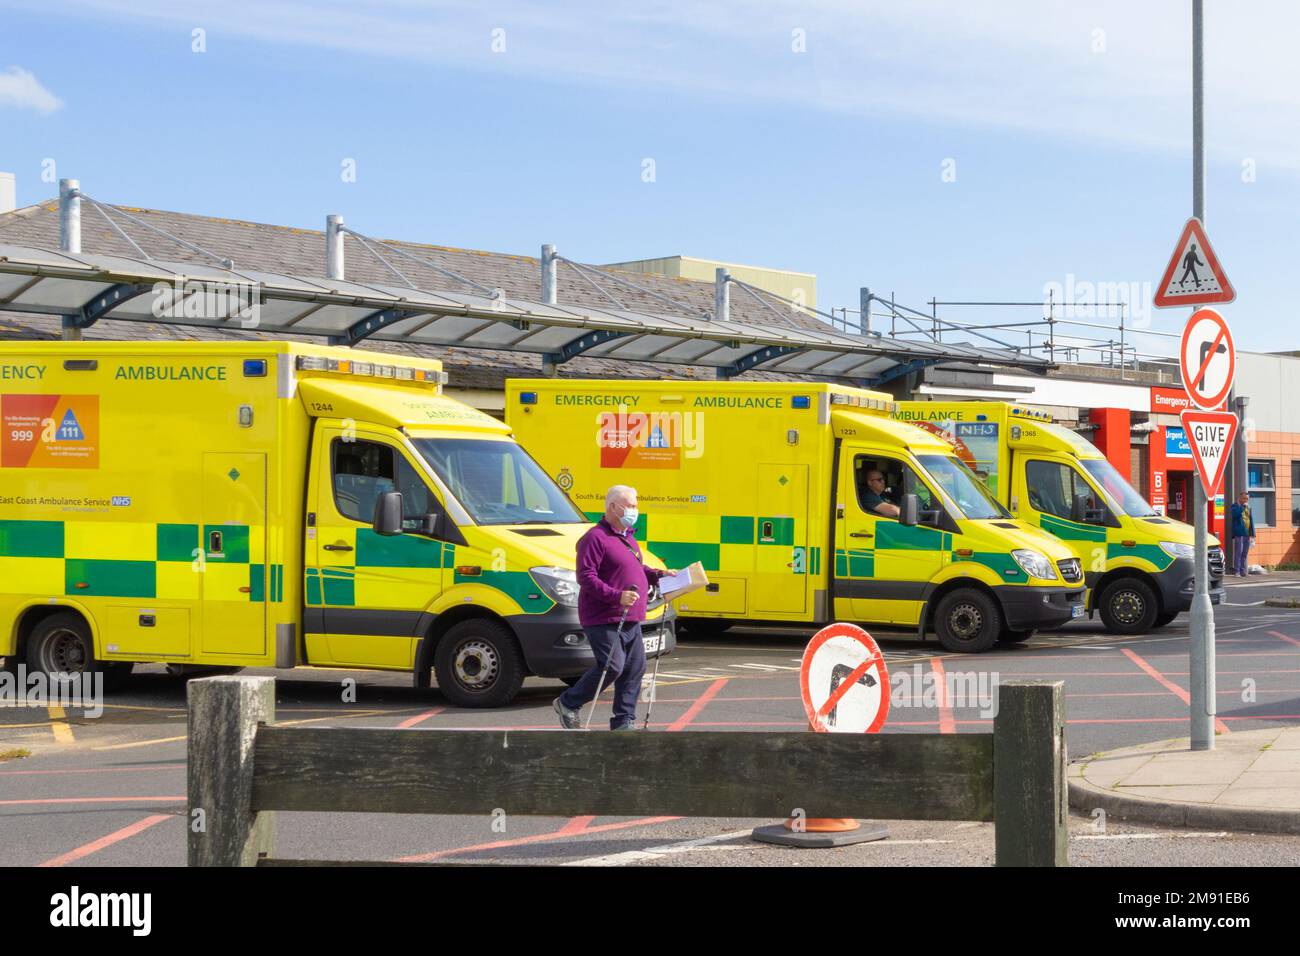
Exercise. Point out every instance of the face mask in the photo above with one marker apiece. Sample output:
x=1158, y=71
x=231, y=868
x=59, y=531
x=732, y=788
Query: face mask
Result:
x=629, y=517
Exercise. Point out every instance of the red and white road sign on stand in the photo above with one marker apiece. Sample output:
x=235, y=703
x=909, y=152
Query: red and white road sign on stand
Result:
x=1193, y=276
x=1210, y=434
x=1207, y=359
x=844, y=681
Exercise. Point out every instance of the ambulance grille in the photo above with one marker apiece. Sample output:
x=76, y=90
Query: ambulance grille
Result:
x=1216, y=561
x=1070, y=570
x=535, y=532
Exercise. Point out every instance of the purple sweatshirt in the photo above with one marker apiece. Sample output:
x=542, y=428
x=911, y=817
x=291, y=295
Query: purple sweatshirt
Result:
x=606, y=568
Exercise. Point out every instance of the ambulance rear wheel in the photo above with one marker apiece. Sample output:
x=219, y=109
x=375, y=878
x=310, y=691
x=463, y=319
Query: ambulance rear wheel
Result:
x=1128, y=606
x=967, y=621
x=62, y=647
x=478, y=664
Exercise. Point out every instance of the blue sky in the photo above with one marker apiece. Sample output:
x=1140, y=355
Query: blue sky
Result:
x=809, y=136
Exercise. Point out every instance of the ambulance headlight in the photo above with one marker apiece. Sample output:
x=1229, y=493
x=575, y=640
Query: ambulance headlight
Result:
x=1176, y=550
x=560, y=584
x=1034, y=564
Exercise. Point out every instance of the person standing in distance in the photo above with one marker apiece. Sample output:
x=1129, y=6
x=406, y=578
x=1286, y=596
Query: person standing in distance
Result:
x=611, y=578
x=1243, y=534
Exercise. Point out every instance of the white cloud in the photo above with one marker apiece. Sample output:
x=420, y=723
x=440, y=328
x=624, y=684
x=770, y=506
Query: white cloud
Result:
x=21, y=89
x=1023, y=65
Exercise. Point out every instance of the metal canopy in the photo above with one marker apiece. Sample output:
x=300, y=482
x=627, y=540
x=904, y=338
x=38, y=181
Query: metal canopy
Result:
x=85, y=288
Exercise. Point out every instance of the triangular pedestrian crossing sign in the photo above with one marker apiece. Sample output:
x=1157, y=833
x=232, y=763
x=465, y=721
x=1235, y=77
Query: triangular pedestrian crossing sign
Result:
x=70, y=428
x=1193, y=276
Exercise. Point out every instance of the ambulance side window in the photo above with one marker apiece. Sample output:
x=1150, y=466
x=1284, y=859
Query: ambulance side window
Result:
x=900, y=480
x=364, y=470
x=1052, y=487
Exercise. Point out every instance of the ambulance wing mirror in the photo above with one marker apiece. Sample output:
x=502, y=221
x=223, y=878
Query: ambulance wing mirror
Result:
x=1082, y=511
x=388, y=514
x=909, y=513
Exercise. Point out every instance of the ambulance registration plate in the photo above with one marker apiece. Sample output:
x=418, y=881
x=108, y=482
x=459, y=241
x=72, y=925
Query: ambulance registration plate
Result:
x=1077, y=611
x=653, y=643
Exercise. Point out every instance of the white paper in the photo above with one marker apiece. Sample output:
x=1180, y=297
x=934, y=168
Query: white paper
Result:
x=674, y=582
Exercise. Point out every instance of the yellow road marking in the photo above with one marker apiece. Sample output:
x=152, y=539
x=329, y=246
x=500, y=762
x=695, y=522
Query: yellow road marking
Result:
x=62, y=730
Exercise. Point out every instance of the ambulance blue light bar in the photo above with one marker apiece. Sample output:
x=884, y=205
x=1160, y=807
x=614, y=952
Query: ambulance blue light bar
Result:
x=801, y=401
x=254, y=368
x=527, y=398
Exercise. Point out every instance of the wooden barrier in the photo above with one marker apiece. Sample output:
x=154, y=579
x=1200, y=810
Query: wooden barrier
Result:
x=243, y=768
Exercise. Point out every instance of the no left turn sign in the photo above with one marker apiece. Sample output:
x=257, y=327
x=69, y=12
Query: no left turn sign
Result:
x=844, y=682
x=1207, y=359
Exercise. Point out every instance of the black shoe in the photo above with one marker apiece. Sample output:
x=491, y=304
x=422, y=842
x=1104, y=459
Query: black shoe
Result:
x=626, y=725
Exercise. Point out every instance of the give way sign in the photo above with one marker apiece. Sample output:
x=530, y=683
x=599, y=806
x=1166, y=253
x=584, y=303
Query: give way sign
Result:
x=844, y=682
x=1210, y=434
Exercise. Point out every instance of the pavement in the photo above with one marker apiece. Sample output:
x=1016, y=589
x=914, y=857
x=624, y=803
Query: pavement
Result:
x=1248, y=782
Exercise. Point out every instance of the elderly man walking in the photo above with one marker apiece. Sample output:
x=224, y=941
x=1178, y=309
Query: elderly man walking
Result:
x=612, y=581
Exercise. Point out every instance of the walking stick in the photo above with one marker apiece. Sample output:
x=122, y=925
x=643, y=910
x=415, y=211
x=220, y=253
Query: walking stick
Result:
x=600, y=684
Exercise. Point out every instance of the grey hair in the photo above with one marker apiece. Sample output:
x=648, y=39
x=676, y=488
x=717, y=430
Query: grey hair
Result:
x=617, y=491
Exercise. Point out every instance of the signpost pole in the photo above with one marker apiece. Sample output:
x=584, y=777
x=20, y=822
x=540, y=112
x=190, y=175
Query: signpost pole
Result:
x=1202, y=612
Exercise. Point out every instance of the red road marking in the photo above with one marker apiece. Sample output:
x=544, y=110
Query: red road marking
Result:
x=1170, y=686
x=946, y=723
x=412, y=721
x=57, y=800
x=693, y=711
x=28, y=773
x=115, y=837
x=576, y=825
x=1279, y=634
x=539, y=838
x=844, y=687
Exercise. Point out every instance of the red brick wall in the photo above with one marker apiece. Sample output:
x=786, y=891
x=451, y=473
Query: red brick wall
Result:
x=1279, y=544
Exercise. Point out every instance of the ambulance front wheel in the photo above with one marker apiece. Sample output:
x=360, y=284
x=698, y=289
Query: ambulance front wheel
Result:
x=61, y=645
x=967, y=621
x=1163, y=618
x=479, y=664
x=1128, y=606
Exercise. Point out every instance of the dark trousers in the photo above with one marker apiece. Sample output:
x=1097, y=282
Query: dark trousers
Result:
x=622, y=661
x=1240, y=549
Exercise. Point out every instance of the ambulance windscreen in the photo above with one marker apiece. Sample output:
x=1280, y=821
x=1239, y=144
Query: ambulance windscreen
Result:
x=497, y=482
x=1124, y=495
x=961, y=485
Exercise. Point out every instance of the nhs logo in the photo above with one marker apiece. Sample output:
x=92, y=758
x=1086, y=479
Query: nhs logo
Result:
x=121, y=501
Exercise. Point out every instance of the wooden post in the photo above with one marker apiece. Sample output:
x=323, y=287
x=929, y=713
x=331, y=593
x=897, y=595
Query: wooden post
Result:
x=223, y=716
x=1029, y=790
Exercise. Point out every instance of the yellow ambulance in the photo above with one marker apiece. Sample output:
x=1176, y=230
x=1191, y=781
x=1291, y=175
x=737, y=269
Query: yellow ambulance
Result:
x=1138, y=564
x=271, y=504
x=805, y=503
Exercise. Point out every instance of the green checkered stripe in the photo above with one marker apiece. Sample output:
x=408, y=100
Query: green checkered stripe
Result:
x=336, y=586
x=761, y=531
x=861, y=562
x=1071, y=530
x=175, y=544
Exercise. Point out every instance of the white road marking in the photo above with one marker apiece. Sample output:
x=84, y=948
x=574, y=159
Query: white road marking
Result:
x=768, y=667
x=659, y=852
x=1150, y=836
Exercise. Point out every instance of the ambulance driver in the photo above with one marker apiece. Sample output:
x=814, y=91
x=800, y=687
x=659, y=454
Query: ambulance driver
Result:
x=873, y=498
